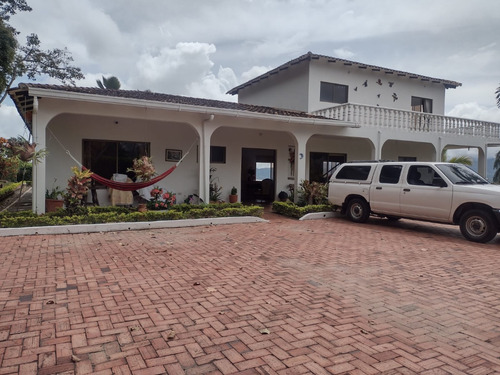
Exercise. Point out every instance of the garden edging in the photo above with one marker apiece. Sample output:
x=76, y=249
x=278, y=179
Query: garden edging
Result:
x=113, y=227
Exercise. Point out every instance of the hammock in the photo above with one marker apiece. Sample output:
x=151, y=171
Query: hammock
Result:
x=130, y=186
x=125, y=186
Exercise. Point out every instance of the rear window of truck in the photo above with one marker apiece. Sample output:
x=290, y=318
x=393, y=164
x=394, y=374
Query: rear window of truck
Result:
x=354, y=172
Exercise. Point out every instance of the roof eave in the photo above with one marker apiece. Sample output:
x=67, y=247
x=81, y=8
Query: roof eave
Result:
x=144, y=103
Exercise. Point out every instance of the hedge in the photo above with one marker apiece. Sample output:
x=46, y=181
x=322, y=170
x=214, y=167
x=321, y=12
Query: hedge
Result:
x=292, y=210
x=97, y=215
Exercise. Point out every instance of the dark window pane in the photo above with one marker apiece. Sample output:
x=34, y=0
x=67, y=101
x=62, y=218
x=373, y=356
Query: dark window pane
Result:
x=390, y=174
x=217, y=154
x=108, y=157
x=333, y=93
x=354, y=172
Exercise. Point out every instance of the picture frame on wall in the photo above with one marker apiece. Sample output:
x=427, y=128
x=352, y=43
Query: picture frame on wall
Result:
x=173, y=155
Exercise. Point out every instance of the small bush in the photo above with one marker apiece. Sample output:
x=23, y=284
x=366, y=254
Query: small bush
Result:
x=292, y=210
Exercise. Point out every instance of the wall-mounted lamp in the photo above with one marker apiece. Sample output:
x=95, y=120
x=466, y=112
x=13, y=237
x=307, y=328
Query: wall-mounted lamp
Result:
x=301, y=156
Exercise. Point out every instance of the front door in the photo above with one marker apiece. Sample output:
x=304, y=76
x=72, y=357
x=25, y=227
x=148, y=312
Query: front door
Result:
x=258, y=175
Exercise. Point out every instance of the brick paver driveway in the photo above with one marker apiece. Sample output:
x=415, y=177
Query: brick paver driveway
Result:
x=287, y=297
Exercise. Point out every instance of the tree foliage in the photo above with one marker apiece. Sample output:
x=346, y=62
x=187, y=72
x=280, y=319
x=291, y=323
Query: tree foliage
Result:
x=10, y=7
x=497, y=93
x=29, y=59
x=461, y=159
x=111, y=83
x=496, y=167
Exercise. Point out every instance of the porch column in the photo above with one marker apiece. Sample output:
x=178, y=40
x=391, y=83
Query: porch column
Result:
x=207, y=130
x=481, y=161
x=300, y=157
x=39, y=129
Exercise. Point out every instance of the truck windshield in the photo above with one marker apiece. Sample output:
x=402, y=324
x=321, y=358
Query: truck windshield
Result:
x=460, y=174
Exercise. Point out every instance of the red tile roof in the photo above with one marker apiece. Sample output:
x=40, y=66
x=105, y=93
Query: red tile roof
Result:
x=22, y=92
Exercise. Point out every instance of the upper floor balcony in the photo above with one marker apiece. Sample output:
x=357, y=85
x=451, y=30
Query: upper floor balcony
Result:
x=372, y=116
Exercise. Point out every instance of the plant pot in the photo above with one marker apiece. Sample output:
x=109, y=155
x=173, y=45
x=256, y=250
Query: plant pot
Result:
x=52, y=205
x=141, y=207
x=233, y=198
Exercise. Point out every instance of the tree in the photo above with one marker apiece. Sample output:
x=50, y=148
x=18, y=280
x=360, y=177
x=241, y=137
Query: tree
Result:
x=496, y=166
x=497, y=92
x=8, y=45
x=111, y=83
x=29, y=59
x=461, y=159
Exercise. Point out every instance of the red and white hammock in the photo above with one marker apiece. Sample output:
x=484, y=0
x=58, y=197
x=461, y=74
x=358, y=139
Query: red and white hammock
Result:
x=127, y=186
x=131, y=186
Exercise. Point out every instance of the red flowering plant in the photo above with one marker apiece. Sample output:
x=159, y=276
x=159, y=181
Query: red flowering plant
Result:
x=160, y=200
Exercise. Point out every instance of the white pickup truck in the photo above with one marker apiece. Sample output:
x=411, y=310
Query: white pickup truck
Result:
x=439, y=192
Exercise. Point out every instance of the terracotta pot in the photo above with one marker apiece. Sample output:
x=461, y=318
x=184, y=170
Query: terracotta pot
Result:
x=141, y=207
x=52, y=205
x=233, y=198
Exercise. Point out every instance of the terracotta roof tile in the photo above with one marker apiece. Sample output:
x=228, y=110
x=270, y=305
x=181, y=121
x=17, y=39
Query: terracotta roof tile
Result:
x=165, y=98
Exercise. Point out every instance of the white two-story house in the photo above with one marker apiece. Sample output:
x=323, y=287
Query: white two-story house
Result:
x=290, y=124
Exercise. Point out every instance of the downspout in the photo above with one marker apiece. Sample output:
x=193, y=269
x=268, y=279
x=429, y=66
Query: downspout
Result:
x=35, y=205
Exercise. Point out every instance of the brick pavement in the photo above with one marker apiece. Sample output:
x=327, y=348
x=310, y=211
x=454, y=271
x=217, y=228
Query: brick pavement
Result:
x=285, y=297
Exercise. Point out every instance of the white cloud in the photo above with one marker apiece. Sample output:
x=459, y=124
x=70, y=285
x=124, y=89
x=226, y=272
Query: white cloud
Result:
x=173, y=70
x=203, y=48
x=474, y=111
x=255, y=71
x=11, y=124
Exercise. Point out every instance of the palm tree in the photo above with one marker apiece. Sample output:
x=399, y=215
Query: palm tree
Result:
x=111, y=83
x=497, y=92
x=461, y=159
x=496, y=166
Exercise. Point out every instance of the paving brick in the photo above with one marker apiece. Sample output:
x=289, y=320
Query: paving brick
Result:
x=392, y=298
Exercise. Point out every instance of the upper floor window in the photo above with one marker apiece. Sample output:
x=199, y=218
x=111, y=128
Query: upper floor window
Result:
x=333, y=92
x=421, y=104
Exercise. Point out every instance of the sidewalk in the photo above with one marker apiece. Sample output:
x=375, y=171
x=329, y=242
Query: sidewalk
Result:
x=279, y=297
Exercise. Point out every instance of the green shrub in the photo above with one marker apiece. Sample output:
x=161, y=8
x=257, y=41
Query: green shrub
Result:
x=96, y=215
x=8, y=190
x=292, y=210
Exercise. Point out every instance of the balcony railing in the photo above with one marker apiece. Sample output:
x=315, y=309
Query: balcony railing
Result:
x=371, y=116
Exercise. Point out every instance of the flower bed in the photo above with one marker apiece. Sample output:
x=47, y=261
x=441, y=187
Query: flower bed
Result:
x=97, y=215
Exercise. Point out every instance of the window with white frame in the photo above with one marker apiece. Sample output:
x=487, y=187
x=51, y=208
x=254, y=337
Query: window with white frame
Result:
x=421, y=104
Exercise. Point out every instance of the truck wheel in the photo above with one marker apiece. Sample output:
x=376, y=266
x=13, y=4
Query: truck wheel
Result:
x=478, y=226
x=358, y=210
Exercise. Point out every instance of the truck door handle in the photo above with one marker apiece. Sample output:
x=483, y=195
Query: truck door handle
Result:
x=406, y=189
x=379, y=188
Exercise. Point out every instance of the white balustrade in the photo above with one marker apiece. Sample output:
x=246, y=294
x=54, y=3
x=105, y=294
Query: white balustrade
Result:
x=372, y=116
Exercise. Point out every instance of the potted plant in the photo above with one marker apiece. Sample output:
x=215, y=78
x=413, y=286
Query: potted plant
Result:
x=53, y=199
x=233, y=197
x=283, y=196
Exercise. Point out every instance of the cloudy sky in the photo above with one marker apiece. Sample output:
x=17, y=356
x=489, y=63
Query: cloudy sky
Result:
x=203, y=48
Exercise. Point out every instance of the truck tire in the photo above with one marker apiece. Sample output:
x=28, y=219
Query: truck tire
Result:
x=358, y=210
x=478, y=226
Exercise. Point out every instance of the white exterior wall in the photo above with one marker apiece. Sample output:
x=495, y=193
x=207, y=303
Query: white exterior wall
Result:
x=287, y=90
x=355, y=77
x=229, y=174
x=72, y=129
